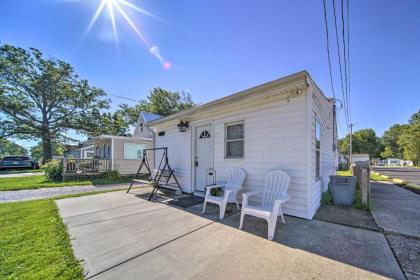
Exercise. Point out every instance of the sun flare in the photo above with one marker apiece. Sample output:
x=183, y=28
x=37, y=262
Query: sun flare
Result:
x=117, y=6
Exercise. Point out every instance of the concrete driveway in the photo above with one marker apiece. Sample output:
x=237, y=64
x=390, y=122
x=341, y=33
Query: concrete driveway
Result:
x=123, y=236
x=404, y=173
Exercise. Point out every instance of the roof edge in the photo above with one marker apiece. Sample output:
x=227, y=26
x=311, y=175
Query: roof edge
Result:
x=301, y=75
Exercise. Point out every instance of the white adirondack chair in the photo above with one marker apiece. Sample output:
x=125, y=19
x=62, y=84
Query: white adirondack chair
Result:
x=234, y=183
x=273, y=196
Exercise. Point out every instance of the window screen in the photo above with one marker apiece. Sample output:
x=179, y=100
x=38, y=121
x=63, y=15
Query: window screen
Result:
x=317, y=149
x=234, y=140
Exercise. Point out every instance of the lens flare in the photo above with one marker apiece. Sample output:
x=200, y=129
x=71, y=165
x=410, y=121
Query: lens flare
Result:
x=118, y=5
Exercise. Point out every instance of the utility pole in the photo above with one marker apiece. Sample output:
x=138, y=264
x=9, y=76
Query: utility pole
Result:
x=351, y=143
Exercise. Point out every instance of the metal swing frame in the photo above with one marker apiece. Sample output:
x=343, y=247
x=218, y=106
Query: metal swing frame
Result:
x=160, y=171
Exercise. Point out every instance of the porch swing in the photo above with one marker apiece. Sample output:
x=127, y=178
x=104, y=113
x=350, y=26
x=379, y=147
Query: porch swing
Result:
x=159, y=178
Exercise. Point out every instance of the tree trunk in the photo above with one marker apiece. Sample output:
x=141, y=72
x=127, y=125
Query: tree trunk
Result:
x=46, y=147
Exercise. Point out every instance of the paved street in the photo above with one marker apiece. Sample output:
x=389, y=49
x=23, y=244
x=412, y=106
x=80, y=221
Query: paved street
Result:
x=405, y=173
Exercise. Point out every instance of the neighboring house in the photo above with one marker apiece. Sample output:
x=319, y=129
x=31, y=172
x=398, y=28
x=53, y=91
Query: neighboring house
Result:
x=124, y=153
x=142, y=129
x=359, y=157
x=83, y=152
x=287, y=123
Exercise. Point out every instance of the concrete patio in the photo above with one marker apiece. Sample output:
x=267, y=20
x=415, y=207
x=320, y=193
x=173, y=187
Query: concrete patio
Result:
x=124, y=236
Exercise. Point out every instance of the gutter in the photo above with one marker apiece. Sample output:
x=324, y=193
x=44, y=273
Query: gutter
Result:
x=299, y=76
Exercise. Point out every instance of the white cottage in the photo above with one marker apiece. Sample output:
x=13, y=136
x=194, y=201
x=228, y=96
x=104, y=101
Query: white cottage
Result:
x=287, y=123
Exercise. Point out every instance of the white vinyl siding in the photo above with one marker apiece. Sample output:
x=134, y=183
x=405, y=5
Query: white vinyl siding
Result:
x=274, y=138
x=322, y=110
x=279, y=133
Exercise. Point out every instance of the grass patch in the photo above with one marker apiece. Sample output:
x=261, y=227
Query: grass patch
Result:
x=35, y=243
x=36, y=182
x=344, y=173
x=378, y=177
x=17, y=171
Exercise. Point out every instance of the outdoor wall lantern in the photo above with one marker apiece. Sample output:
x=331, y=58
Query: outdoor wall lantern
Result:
x=182, y=126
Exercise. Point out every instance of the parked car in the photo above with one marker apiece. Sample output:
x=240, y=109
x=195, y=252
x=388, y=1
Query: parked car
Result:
x=18, y=162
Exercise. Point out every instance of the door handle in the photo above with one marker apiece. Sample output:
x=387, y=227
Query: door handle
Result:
x=196, y=163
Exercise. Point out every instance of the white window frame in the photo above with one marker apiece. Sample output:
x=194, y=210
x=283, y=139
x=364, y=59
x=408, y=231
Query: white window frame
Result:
x=318, y=150
x=234, y=140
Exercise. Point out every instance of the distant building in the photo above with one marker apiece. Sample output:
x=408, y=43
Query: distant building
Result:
x=397, y=162
x=359, y=157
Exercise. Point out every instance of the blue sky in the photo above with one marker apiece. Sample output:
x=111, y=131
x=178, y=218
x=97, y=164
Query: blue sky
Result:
x=219, y=47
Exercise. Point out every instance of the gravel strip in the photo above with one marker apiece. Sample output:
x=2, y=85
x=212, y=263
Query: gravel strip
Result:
x=22, y=195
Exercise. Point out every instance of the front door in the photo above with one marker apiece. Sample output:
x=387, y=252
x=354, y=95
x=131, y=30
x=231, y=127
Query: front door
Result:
x=203, y=155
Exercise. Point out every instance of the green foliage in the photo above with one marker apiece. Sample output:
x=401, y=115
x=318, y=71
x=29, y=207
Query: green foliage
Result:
x=58, y=149
x=35, y=243
x=409, y=141
x=112, y=174
x=216, y=191
x=43, y=98
x=415, y=118
x=343, y=166
x=390, y=141
x=111, y=124
x=160, y=101
x=365, y=141
x=8, y=148
x=326, y=198
x=54, y=170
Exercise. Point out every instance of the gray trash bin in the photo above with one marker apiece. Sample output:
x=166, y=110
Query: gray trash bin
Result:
x=342, y=189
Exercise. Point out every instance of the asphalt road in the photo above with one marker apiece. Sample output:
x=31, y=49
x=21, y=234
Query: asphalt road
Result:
x=404, y=173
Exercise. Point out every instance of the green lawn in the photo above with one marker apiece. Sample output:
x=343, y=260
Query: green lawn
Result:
x=17, y=171
x=36, y=182
x=34, y=243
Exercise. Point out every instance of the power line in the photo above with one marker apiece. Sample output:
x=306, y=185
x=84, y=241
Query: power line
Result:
x=348, y=53
x=328, y=48
x=341, y=71
x=122, y=97
x=345, y=57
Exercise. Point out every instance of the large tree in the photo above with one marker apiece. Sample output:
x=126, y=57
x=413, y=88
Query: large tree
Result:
x=390, y=139
x=8, y=148
x=43, y=98
x=364, y=141
x=409, y=141
x=160, y=101
x=58, y=149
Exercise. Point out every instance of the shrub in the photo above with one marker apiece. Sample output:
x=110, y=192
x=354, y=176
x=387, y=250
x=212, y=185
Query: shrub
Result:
x=343, y=166
x=112, y=174
x=326, y=198
x=54, y=170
